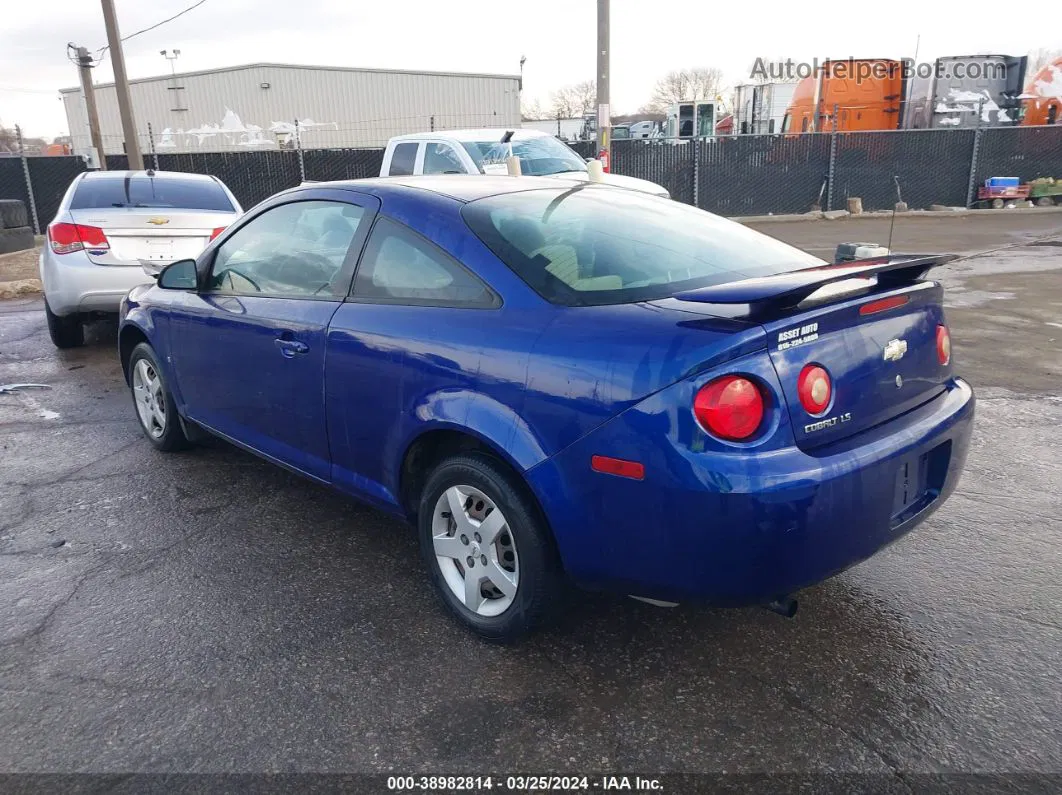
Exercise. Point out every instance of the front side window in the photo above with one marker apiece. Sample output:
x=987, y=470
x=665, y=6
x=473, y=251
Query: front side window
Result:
x=293, y=250
x=597, y=245
x=143, y=191
x=441, y=159
x=403, y=159
x=401, y=267
x=539, y=155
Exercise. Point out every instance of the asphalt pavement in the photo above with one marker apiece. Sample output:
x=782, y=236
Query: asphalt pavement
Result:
x=208, y=612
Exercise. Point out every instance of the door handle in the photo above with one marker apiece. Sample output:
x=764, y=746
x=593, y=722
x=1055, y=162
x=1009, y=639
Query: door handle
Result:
x=290, y=348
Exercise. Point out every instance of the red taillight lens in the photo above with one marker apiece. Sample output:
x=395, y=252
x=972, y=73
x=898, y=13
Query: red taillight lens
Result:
x=67, y=238
x=814, y=389
x=943, y=344
x=730, y=407
x=217, y=232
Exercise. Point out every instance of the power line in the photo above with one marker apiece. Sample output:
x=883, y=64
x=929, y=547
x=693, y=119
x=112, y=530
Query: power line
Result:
x=104, y=48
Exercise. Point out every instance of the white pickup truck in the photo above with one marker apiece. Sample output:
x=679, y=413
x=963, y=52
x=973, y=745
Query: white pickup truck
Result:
x=485, y=152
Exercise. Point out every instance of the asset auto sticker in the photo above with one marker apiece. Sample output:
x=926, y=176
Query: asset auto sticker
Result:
x=800, y=335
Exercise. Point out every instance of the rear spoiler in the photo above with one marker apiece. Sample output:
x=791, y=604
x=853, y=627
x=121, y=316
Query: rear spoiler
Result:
x=771, y=294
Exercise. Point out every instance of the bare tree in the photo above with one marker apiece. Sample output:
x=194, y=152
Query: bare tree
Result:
x=685, y=84
x=8, y=141
x=573, y=101
x=532, y=111
x=1040, y=58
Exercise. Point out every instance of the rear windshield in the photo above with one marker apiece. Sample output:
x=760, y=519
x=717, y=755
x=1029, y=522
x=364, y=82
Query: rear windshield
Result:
x=597, y=245
x=144, y=191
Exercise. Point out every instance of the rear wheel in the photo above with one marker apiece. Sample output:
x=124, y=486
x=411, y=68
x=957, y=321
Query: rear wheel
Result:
x=66, y=332
x=489, y=551
x=154, y=404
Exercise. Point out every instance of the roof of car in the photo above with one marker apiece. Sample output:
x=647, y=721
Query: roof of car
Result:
x=482, y=134
x=145, y=173
x=463, y=187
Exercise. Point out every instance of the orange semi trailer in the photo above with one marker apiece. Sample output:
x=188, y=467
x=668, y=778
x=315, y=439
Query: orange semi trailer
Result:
x=1043, y=96
x=867, y=94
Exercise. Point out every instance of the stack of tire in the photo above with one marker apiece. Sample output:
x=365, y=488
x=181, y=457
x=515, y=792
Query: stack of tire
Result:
x=15, y=232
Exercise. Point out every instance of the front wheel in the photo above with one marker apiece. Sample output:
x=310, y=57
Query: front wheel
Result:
x=488, y=549
x=154, y=404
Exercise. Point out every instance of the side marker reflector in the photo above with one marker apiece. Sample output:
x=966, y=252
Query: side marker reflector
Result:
x=617, y=466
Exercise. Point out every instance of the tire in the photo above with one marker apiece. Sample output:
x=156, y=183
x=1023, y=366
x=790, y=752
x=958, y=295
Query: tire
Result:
x=13, y=214
x=148, y=387
x=523, y=542
x=20, y=239
x=66, y=332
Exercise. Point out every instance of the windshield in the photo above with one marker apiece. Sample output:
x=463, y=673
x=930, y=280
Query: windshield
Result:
x=598, y=245
x=144, y=191
x=538, y=156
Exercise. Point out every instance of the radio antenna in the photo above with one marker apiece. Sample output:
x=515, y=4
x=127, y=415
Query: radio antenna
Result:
x=892, y=223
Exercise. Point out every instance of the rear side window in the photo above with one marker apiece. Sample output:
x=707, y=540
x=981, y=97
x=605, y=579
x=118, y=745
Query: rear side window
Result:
x=399, y=266
x=597, y=245
x=403, y=159
x=143, y=191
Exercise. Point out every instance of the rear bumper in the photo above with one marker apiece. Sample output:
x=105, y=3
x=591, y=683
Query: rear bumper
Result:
x=746, y=528
x=74, y=284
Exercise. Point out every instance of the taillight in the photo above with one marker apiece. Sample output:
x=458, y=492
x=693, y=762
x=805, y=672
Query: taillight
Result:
x=943, y=345
x=730, y=407
x=217, y=232
x=814, y=389
x=67, y=238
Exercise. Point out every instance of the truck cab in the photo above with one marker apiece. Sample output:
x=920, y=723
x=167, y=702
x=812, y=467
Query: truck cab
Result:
x=865, y=94
x=485, y=152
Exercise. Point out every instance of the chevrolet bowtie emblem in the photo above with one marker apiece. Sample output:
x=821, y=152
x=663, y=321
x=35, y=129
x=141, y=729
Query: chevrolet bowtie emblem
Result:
x=158, y=221
x=894, y=350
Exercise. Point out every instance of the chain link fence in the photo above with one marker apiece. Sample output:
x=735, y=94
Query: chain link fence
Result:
x=1023, y=152
x=763, y=174
x=732, y=176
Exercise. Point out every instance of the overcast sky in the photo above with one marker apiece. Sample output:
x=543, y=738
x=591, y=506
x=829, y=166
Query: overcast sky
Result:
x=556, y=36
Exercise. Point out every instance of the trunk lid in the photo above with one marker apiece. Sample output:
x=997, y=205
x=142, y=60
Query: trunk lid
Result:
x=882, y=362
x=151, y=236
x=881, y=365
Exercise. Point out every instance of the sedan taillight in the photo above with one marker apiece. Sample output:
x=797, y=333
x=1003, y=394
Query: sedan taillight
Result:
x=730, y=407
x=217, y=232
x=943, y=345
x=67, y=238
x=814, y=389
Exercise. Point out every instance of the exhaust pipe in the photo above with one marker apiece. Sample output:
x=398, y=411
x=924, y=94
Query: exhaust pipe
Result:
x=783, y=606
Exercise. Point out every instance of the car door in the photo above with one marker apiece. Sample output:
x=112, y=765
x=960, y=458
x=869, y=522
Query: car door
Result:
x=249, y=347
x=413, y=327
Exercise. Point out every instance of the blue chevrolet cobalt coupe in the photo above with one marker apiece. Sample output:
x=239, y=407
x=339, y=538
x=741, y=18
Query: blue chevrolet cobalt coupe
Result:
x=560, y=381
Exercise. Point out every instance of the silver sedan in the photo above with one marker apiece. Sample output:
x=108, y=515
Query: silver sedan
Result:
x=114, y=230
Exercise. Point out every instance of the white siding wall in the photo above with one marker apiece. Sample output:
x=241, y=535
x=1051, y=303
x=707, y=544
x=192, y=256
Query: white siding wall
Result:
x=228, y=110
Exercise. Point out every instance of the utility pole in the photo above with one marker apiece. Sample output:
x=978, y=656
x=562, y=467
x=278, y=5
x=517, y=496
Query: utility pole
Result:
x=84, y=64
x=604, y=116
x=121, y=87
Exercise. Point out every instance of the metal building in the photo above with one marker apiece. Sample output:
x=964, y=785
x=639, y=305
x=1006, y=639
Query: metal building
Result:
x=265, y=106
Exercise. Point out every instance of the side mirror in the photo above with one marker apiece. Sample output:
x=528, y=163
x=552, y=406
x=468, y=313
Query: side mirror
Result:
x=179, y=275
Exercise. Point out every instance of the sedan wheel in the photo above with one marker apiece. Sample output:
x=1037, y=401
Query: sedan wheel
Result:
x=154, y=404
x=475, y=550
x=150, y=401
x=490, y=552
